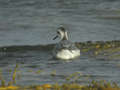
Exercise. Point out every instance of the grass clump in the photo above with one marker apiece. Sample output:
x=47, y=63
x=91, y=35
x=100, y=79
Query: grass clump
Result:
x=94, y=85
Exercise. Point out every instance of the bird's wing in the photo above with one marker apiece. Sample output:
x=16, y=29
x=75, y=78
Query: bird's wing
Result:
x=67, y=44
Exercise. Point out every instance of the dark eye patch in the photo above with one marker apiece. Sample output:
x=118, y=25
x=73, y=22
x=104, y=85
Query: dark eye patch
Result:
x=58, y=32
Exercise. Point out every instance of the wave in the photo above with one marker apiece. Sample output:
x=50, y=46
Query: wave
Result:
x=26, y=47
x=80, y=45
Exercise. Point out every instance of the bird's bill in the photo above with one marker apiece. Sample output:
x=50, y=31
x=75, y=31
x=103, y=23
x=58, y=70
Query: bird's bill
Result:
x=55, y=37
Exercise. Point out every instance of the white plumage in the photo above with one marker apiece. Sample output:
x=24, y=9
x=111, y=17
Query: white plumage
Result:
x=65, y=49
x=67, y=54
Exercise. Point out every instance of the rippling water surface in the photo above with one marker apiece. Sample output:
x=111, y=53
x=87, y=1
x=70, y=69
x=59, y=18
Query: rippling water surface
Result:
x=34, y=22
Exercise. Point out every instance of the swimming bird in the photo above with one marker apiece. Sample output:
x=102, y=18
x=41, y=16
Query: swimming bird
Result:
x=65, y=49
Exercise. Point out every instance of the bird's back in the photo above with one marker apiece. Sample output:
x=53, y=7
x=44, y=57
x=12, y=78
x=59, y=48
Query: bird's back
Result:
x=66, y=44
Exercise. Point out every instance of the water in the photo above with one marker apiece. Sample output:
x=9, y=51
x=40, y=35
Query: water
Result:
x=35, y=22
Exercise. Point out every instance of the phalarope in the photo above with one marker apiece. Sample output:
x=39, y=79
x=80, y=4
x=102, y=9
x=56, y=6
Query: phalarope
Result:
x=65, y=49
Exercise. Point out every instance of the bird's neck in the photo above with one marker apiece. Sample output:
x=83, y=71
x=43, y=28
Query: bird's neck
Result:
x=65, y=36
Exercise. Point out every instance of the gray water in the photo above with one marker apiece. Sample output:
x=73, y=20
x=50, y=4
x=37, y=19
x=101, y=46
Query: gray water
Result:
x=34, y=22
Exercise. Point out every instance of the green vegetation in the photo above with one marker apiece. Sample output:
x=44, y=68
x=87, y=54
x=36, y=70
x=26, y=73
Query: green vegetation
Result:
x=109, y=49
x=71, y=83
